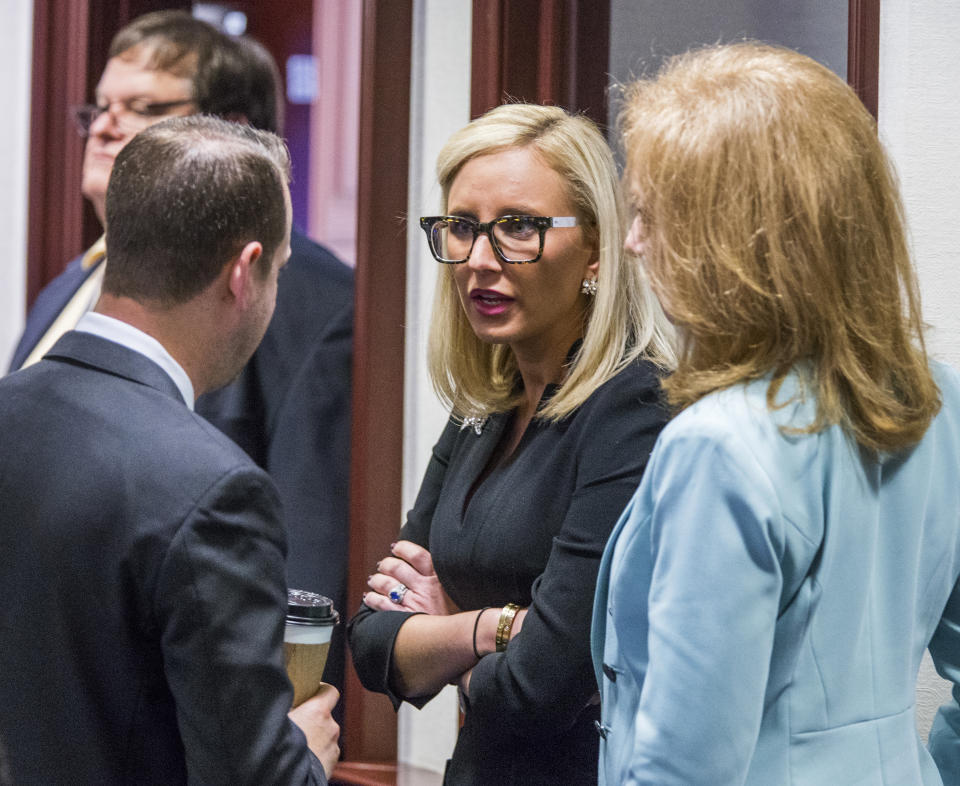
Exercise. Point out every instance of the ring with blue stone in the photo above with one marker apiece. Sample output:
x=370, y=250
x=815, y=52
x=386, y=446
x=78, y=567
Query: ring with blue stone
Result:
x=397, y=593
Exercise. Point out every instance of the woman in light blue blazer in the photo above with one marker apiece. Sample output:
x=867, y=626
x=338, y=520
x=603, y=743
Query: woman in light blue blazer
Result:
x=794, y=547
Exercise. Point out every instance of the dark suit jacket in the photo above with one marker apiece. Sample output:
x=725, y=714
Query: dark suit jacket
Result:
x=141, y=577
x=47, y=307
x=290, y=410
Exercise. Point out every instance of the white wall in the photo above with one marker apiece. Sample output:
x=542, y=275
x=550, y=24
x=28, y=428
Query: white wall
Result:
x=439, y=105
x=919, y=116
x=15, y=52
x=920, y=124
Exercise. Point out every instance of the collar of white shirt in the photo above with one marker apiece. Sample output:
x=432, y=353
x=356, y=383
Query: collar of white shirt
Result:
x=130, y=337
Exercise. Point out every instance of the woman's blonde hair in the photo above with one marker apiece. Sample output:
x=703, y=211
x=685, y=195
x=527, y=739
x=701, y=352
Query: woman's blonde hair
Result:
x=775, y=236
x=623, y=320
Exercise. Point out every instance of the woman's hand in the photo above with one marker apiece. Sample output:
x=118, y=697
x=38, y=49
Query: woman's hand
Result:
x=411, y=566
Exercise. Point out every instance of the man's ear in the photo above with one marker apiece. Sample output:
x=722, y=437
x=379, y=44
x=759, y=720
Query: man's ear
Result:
x=241, y=270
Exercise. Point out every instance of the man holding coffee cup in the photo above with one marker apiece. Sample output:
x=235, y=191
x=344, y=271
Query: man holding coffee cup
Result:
x=142, y=551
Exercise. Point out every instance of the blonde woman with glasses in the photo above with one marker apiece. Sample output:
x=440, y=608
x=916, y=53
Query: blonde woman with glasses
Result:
x=794, y=547
x=548, y=346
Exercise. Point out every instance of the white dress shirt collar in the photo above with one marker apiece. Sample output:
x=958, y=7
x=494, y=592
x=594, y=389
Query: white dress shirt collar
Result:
x=132, y=338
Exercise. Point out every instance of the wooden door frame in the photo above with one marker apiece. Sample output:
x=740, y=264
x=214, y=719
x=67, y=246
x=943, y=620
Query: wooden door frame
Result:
x=863, y=51
x=376, y=462
x=542, y=51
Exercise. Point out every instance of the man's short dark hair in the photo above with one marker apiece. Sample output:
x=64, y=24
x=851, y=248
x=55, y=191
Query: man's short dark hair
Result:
x=263, y=91
x=185, y=196
x=232, y=78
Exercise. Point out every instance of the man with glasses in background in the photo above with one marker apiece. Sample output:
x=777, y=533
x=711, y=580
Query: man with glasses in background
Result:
x=290, y=407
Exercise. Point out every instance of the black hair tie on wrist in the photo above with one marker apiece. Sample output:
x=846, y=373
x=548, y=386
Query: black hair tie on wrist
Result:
x=476, y=624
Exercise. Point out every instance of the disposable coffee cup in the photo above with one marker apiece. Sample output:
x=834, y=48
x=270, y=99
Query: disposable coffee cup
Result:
x=306, y=641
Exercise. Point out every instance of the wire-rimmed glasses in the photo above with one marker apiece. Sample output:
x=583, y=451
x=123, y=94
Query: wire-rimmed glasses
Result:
x=132, y=117
x=517, y=240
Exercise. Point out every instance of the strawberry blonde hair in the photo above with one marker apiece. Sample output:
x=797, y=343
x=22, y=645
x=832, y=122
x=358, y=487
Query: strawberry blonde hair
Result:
x=775, y=237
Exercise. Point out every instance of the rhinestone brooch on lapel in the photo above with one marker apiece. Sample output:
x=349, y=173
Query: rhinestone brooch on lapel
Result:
x=476, y=423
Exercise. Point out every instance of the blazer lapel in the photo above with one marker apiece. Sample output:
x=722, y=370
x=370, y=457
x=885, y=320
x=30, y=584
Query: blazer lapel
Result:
x=95, y=352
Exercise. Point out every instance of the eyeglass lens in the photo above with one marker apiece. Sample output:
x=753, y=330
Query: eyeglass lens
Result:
x=126, y=121
x=130, y=119
x=516, y=238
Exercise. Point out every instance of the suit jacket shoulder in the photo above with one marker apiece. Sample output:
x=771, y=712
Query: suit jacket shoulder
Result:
x=151, y=547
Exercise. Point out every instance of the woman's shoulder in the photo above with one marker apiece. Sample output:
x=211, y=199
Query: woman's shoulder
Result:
x=738, y=426
x=947, y=379
x=638, y=382
x=947, y=420
x=746, y=406
x=630, y=401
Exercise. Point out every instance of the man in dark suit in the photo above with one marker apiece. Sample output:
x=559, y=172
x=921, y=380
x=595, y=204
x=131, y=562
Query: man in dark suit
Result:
x=290, y=407
x=142, y=552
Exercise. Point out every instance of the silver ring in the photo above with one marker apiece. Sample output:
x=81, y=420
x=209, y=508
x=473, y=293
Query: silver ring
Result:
x=397, y=593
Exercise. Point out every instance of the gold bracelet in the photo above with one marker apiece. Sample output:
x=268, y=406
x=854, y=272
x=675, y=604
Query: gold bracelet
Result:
x=507, y=615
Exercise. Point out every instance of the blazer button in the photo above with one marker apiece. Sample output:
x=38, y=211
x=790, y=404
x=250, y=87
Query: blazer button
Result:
x=602, y=729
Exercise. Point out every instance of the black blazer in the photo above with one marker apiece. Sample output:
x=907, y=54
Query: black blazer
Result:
x=532, y=533
x=142, y=587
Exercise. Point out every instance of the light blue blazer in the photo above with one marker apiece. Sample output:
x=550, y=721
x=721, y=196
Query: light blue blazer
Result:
x=764, y=602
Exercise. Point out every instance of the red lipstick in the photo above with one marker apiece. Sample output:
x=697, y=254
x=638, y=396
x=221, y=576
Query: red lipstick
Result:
x=489, y=302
